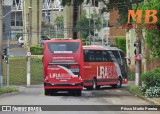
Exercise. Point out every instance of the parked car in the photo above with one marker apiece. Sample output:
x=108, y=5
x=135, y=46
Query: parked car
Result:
x=20, y=41
x=42, y=39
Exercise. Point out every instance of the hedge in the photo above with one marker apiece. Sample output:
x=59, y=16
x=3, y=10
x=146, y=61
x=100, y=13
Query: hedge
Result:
x=151, y=83
x=36, y=50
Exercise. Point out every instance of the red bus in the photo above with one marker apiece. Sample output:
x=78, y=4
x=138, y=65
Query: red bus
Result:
x=100, y=68
x=63, y=66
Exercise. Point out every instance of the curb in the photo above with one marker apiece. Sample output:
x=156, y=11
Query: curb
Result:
x=10, y=94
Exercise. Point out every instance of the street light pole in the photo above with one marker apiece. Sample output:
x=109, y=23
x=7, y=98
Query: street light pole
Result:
x=94, y=32
x=94, y=22
x=89, y=26
x=102, y=30
x=28, y=51
x=107, y=31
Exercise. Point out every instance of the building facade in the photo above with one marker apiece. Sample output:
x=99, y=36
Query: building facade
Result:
x=17, y=16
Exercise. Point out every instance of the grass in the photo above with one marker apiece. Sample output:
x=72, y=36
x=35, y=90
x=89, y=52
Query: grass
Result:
x=17, y=70
x=135, y=90
x=8, y=89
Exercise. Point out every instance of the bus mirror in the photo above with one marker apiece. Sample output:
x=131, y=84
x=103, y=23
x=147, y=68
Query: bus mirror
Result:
x=42, y=59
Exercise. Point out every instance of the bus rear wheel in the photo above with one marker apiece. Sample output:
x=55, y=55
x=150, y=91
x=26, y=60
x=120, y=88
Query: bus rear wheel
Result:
x=47, y=92
x=78, y=92
x=94, y=84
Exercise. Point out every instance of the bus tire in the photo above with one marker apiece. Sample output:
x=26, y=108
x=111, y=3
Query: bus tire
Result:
x=78, y=93
x=94, y=84
x=119, y=85
x=75, y=92
x=46, y=92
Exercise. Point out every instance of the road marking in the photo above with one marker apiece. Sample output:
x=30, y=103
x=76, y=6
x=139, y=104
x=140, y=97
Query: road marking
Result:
x=42, y=94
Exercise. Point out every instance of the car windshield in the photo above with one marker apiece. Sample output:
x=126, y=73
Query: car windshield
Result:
x=63, y=47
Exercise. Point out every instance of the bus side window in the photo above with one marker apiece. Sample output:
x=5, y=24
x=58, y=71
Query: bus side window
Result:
x=91, y=56
x=86, y=56
x=104, y=56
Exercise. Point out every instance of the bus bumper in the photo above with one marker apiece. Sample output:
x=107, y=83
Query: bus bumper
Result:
x=63, y=86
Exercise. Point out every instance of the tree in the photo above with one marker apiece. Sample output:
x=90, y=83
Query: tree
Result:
x=76, y=4
x=152, y=35
x=83, y=24
x=59, y=21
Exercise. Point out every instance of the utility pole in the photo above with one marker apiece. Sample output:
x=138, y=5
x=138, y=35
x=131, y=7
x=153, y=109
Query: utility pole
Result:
x=7, y=57
x=28, y=51
x=1, y=43
x=138, y=58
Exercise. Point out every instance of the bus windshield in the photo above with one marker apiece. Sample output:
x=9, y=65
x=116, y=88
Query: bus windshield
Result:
x=63, y=47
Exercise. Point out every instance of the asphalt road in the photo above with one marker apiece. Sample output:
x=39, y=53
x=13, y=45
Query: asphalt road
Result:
x=105, y=96
x=14, y=48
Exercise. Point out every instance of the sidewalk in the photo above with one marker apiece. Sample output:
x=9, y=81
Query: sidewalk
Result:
x=155, y=101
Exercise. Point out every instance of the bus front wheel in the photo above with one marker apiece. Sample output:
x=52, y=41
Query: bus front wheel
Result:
x=119, y=84
x=46, y=92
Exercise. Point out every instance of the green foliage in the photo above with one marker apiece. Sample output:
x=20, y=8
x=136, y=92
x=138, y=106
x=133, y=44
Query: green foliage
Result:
x=18, y=35
x=59, y=21
x=83, y=24
x=122, y=6
x=8, y=89
x=151, y=83
x=151, y=78
x=153, y=92
x=36, y=50
x=121, y=43
x=152, y=35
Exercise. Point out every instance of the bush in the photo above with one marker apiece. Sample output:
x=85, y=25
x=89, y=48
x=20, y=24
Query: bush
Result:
x=151, y=78
x=153, y=92
x=151, y=83
x=36, y=50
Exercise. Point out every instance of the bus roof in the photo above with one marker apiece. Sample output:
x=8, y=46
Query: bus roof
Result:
x=98, y=47
x=63, y=40
x=94, y=47
x=112, y=48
